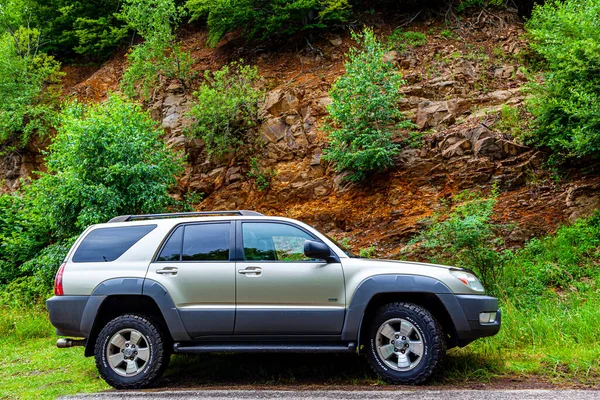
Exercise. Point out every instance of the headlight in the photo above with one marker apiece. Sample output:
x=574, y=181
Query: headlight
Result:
x=468, y=279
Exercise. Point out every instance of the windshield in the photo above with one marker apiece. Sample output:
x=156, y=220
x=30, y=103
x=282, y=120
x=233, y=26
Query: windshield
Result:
x=343, y=248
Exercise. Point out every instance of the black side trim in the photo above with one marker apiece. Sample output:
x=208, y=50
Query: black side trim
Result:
x=384, y=284
x=264, y=348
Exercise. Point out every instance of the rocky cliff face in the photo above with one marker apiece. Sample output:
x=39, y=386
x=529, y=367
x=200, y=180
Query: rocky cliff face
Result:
x=456, y=85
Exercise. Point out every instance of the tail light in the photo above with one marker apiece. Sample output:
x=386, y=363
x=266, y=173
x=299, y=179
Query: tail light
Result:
x=58, y=281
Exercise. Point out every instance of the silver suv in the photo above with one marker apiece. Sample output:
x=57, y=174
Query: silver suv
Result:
x=140, y=288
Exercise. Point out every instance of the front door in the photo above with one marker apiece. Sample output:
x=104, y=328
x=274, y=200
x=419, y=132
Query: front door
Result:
x=279, y=290
x=194, y=266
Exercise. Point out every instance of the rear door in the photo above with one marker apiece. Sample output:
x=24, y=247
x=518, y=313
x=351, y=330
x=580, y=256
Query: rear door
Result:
x=194, y=266
x=279, y=290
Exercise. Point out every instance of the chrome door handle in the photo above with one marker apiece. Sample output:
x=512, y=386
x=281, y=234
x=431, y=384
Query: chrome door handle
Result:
x=167, y=270
x=250, y=271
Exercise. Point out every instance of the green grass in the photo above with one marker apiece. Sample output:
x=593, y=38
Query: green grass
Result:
x=32, y=367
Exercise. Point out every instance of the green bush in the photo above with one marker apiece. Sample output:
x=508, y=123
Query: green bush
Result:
x=160, y=54
x=106, y=159
x=566, y=103
x=464, y=235
x=225, y=107
x=400, y=40
x=262, y=176
x=364, y=116
x=26, y=108
x=262, y=19
x=566, y=261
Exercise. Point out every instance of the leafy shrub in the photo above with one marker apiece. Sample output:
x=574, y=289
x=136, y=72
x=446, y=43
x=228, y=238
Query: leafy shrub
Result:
x=25, y=107
x=107, y=159
x=262, y=176
x=566, y=103
x=226, y=106
x=464, y=235
x=160, y=54
x=368, y=252
x=399, y=40
x=262, y=19
x=364, y=115
x=564, y=261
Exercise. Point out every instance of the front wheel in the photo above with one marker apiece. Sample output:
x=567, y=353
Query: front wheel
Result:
x=130, y=352
x=406, y=344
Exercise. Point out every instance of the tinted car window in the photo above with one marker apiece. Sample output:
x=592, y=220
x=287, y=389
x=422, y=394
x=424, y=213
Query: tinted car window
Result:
x=108, y=244
x=265, y=241
x=206, y=242
x=172, y=249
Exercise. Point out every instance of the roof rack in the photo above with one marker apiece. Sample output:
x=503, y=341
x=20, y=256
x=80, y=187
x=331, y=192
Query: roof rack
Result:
x=126, y=218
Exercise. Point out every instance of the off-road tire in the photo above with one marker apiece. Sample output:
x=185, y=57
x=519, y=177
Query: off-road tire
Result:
x=157, y=343
x=434, y=343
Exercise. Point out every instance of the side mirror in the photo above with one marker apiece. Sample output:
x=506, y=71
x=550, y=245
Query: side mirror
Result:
x=317, y=250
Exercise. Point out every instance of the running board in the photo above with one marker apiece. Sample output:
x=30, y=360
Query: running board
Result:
x=265, y=348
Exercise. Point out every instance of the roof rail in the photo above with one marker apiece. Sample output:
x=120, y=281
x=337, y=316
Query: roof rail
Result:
x=126, y=218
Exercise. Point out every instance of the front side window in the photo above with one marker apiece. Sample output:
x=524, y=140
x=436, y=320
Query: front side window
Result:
x=197, y=242
x=264, y=241
x=108, y=244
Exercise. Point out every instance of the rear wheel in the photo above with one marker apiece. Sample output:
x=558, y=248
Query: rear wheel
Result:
x=130, y=352
x=406, y=344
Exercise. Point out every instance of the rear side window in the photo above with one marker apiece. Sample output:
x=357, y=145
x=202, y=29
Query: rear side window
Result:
x=108, y=244
x=197, y=242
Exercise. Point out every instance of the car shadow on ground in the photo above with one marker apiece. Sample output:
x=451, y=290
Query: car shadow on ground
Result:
x=304, y=370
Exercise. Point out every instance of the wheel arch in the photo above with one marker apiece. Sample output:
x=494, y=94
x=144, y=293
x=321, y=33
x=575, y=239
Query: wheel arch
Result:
x=428, y=301
x=130, y=295
x=377, y=290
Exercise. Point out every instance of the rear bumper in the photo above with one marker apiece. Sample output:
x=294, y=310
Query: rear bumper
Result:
x=66, y=314
x=465, y=310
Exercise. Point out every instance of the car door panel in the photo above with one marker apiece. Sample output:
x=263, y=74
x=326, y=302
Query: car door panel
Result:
x=286, y=297
x=201, y=286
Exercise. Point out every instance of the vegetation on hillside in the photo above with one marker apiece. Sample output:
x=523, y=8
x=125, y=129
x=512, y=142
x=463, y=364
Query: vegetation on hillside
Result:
x=566, y=103
x=225, y=107
x=107, y=159
x=264, y=19
x=28, y=106
x=363, y=114
x=160, y=56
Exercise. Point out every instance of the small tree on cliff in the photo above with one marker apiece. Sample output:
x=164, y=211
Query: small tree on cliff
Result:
x=364, y=115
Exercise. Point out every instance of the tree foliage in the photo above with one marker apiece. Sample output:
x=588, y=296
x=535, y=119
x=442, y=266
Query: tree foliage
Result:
x=364, y=115
x=106, y=159
x=226, y=106
x=69, y=27
x=160, y=55
x=262, y=19
x=25, y=107
x=566, y=103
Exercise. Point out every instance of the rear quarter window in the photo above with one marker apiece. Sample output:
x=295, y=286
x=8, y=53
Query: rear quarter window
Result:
x=108, y=244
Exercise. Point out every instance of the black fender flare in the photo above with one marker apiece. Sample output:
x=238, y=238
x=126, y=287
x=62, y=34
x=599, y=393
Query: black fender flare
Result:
x=391, y=283
x=134, y=286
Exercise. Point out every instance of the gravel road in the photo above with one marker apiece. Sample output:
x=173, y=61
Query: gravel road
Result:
x=350, y=395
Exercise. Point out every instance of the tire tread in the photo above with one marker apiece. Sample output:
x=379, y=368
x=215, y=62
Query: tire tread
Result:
x=438, y=348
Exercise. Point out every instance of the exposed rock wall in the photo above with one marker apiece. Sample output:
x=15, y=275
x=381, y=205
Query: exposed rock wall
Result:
x=454, y=90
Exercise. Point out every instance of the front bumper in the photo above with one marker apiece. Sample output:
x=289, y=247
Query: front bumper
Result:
x=464, y=311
